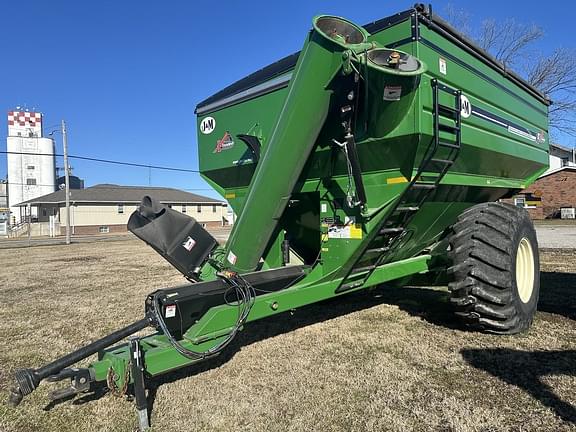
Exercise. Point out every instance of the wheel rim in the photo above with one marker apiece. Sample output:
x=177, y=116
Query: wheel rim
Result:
x=525, y=270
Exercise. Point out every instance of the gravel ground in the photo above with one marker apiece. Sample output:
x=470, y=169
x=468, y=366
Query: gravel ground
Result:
x=556, y=236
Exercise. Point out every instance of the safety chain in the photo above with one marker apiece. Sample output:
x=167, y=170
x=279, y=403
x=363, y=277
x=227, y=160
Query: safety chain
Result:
x=111, y=378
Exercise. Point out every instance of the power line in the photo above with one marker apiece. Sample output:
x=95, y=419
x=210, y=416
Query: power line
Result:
x=159, y=187
x=108, y=161
x=26, y=184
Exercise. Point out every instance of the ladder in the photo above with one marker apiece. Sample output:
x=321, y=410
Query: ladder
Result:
x=440, y=156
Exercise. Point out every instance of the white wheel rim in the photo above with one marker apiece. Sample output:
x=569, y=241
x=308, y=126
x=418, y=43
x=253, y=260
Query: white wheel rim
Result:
x=525, y=270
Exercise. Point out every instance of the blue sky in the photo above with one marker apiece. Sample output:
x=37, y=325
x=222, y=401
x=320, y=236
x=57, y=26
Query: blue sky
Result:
x=127, y=75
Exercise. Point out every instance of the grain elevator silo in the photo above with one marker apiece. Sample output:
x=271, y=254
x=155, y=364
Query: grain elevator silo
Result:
x=31, y=161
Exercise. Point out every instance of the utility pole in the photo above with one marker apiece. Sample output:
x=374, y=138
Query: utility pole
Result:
x=66, y=180
x=29, y=220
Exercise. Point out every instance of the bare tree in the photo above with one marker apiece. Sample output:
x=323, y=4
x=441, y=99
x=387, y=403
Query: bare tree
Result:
x=511, y=43
x=508, y=40
x=555, y=76
x=459, y=18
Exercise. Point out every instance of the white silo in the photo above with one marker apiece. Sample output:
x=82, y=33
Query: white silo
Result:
x=31, y=161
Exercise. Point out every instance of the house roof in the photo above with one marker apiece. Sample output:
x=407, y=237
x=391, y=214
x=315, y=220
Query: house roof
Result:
x=111, y=193
x=561, y=147
x=557, y=170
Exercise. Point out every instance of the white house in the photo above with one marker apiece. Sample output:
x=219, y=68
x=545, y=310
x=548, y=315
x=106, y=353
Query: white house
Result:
x=106, y=208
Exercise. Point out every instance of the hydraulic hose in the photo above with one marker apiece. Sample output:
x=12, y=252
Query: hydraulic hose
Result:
x=245, y=297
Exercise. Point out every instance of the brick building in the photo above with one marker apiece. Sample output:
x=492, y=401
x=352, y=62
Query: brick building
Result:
x=554, y=190
x=106, y=208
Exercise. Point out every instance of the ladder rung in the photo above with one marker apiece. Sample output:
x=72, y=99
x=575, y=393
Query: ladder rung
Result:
x=449, y=145
x=423, y=186
x=377, y=250
x=349, y=286
x=429, y=179
x=447, y=89
x=391, y=230
x=448, y=112
x=447, y=108
x=448, y=128
x=442, y=161
x=358, y=270
x=407, y=209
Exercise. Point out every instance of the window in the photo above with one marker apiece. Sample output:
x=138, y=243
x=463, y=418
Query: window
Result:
x=214, y=208
x=31, y=167
x=104, y=229
x=31, y=181
x=183, y=208
x=520, y=202
x=44, y=212
x=120, y=208
x=199, y=208
x=54, y=211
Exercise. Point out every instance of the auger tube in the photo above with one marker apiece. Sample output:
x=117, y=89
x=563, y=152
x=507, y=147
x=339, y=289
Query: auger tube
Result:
x=297, y=127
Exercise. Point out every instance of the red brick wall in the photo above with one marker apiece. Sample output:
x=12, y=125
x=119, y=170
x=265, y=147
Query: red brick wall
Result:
x=536, y=213
x=556, y=190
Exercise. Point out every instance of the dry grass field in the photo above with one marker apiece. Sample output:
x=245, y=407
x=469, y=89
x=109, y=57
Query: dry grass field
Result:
x=392, y=360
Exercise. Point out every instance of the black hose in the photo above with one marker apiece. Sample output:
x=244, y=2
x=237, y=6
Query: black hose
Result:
x=245, y=294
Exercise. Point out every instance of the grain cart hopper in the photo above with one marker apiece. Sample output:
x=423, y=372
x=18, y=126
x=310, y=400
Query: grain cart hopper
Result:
x=374, y=154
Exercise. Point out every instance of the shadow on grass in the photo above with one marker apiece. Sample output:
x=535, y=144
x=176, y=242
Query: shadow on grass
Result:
x=558, y=294
x=524, y=369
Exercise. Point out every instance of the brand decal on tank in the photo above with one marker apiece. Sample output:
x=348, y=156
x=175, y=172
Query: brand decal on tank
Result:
x=207, y=125
x=465, y=107
x=224, y=143
x=512, y=128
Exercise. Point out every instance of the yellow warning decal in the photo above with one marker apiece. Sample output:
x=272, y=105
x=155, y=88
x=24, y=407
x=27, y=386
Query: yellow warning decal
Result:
x=396, y=180
x=230, y=195
x=324, y=249
x=355, y=231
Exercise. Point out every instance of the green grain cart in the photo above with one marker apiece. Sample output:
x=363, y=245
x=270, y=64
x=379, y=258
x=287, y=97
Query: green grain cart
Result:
x=374, y=154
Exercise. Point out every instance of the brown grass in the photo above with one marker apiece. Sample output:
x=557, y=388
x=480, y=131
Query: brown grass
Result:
x=395, y=361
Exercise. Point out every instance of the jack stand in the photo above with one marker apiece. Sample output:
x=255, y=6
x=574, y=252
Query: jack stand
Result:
x=137, y=371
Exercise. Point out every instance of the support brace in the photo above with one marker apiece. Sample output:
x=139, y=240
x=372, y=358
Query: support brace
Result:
x=137, y=370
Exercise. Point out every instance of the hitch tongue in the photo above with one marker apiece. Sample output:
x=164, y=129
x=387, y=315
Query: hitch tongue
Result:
x=28, y=379
x=63, y=393
x=80, y=382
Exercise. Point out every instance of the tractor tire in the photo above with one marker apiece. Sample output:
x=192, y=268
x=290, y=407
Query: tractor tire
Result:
x=495, y=268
